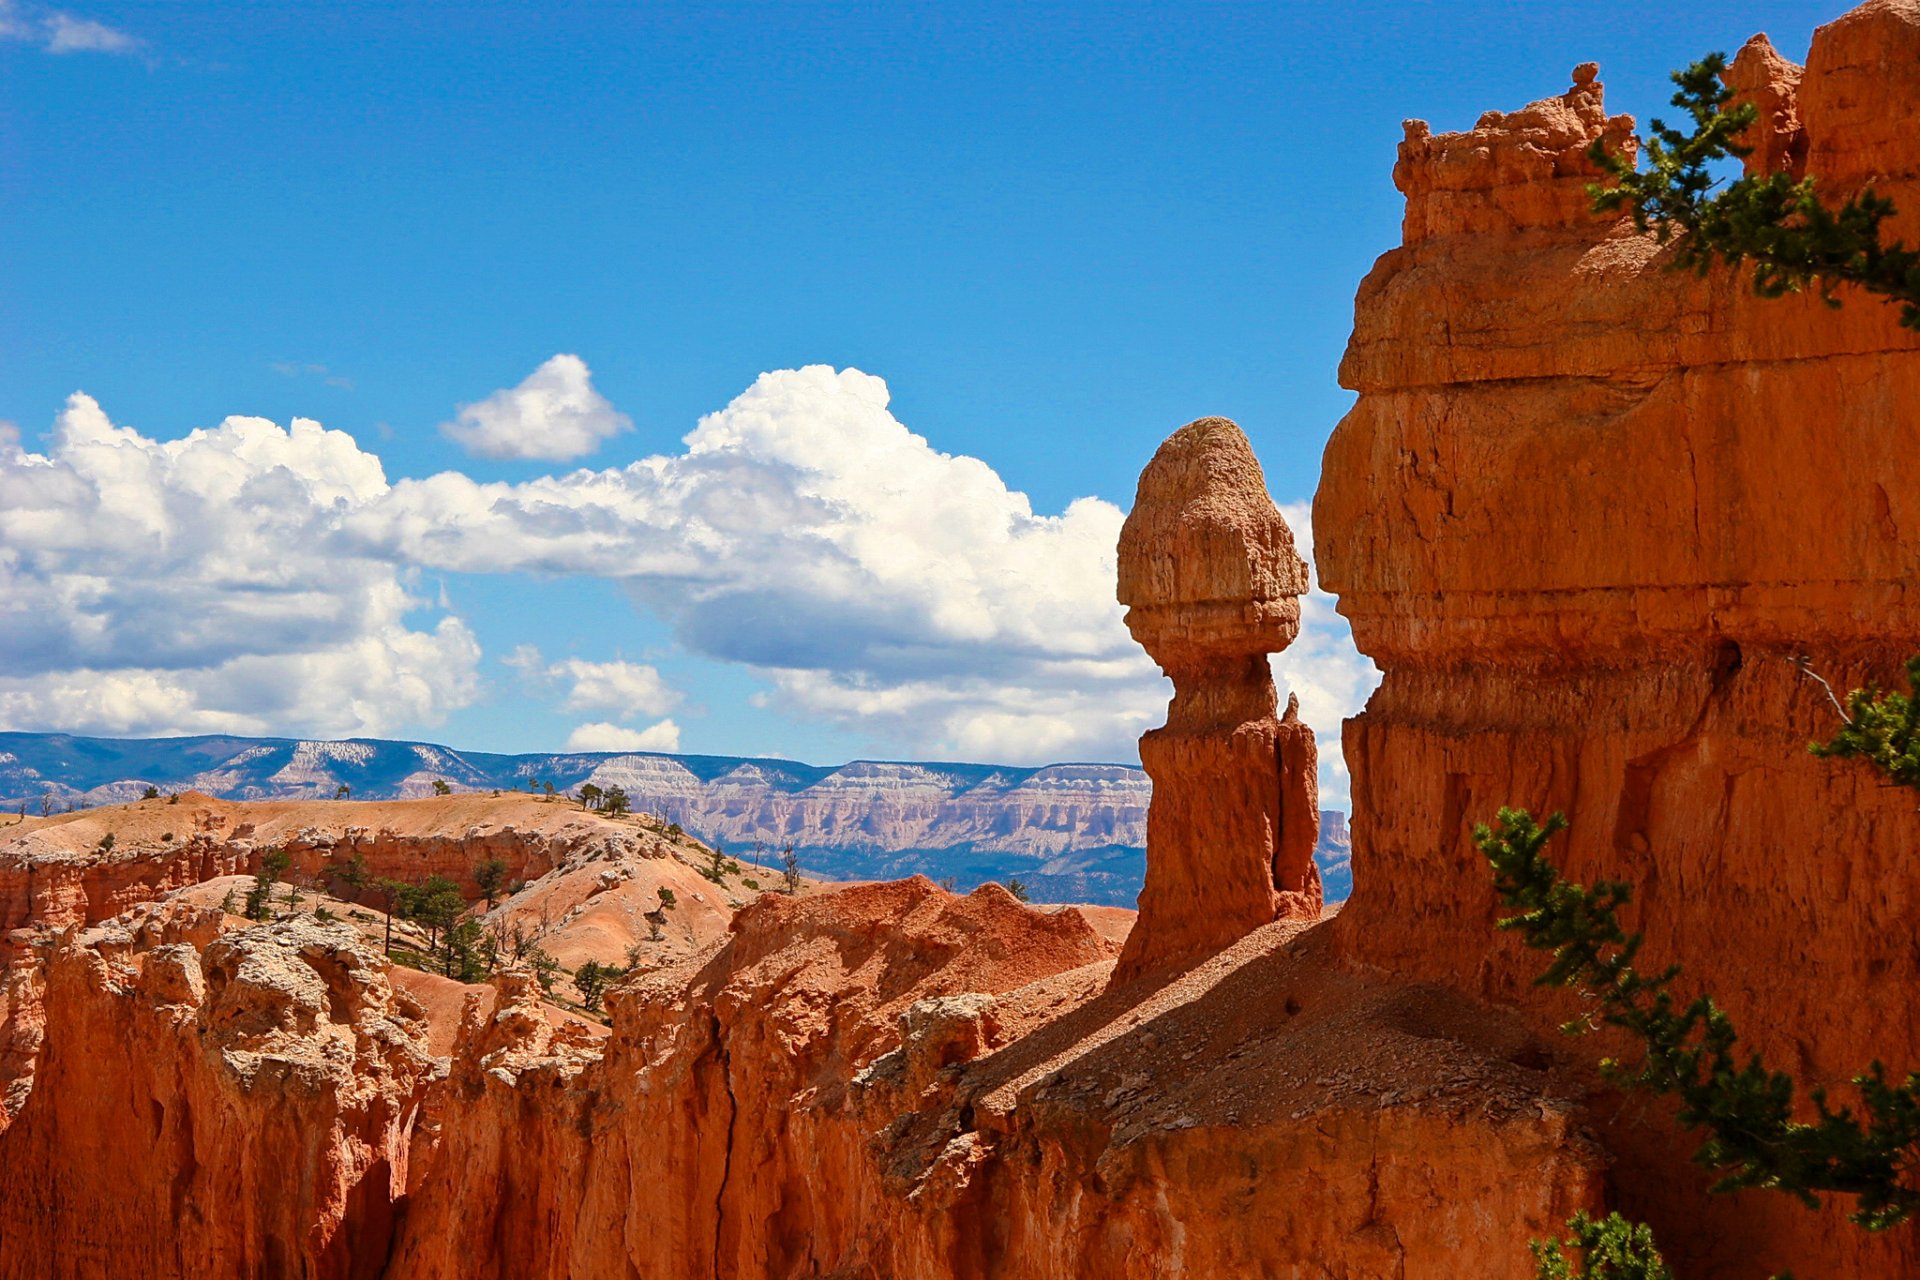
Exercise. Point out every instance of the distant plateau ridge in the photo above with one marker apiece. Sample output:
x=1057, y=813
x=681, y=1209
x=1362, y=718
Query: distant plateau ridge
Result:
x=1070, y=832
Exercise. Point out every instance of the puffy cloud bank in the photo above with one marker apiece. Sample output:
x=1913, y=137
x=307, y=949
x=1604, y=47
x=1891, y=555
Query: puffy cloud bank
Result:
x=191, y=586
x=872, y=581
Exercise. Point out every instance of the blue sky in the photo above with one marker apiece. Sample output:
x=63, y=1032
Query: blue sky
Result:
x=1055, y=232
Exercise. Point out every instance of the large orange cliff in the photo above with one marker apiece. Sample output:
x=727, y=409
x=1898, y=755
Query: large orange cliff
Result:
x=1589, y=517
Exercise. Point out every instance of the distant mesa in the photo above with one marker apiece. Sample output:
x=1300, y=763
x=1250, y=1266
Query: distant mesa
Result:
x=1070, y=832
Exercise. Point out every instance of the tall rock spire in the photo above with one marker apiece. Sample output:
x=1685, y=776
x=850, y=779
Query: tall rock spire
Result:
x=1212, y=582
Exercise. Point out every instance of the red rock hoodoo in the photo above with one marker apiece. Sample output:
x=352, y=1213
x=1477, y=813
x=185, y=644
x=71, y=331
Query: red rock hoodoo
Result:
x=1585, y=516
x=1212, y=582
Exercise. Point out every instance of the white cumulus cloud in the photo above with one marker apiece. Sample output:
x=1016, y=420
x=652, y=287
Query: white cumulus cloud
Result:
x=807, y=533
x=189, y=586
x=876, y=583
x=601, y=736
x=555, y=415
x=253, y=578
x=626, y=689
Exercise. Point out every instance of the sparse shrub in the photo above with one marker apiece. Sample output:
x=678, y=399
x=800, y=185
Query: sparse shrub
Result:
x=151, y=793
x=751, y=883
x=323, y=915
x=174, y=798
x=166, y=837
x=1018, y=888
x=106, y=843
x=228, y=903
x=273, y=863
x=590, y=980
x=545, y=967
x=440, y=787
x=489, y=876
x=342, y=791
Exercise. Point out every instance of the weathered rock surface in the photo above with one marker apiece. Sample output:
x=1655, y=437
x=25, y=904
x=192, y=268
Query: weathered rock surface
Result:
x=242, y=1111
x=891, y=1081
x=1585, y=516
x=1212, y=582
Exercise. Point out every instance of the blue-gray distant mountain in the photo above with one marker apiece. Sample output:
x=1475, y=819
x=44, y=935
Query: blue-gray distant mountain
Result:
x=1072, y=832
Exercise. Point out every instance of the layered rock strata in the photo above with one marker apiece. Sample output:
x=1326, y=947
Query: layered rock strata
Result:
x=1589, y=517
x=1212, y=582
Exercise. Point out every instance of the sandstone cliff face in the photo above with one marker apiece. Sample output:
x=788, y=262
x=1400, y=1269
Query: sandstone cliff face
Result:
x=1212, y=583
x=242, y=1111
x=1585, y=516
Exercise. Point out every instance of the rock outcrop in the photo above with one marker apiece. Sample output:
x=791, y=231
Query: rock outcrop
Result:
x=889, y=1080
x=1588, y=516
x=1212, y=582
x=234, y=1112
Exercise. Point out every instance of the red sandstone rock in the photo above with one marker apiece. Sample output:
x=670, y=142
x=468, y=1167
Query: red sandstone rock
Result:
x=890, y=1081
x=234, y=1113
x=1583, y=516
x=1760, y=76
x=1212, y=582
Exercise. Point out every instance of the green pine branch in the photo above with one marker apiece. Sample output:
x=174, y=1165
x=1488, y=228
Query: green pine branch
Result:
x=1744, y=1110
x=1883, y=729
x=1781, y=226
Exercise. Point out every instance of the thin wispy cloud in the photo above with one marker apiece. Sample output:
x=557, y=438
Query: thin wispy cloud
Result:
x=308, y=369
x=58, y=32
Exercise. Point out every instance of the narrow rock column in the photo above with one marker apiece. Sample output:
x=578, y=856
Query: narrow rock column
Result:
x=1212, y=582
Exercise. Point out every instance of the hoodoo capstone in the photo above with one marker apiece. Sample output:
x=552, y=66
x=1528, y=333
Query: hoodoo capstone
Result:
x=1212, y=585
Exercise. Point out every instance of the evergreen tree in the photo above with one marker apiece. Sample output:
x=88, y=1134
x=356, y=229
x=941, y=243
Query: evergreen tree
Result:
x=489, y=876
x=590, y=980
x=1790, y=236
x=273, y=863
